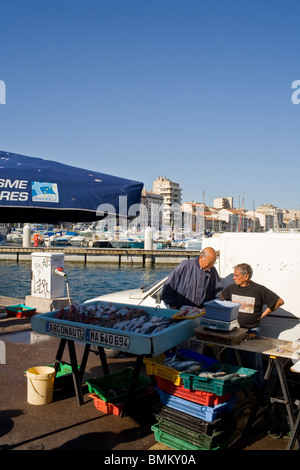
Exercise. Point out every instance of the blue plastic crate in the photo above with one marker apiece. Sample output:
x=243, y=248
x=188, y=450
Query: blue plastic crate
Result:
x=206, y=413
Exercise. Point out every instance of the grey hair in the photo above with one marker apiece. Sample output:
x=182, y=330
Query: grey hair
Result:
x=244, y=269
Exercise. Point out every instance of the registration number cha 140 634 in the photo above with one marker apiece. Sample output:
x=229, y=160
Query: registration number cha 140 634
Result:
x=109, y=339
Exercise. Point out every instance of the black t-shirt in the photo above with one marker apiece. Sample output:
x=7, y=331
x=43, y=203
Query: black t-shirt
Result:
x=252, y=299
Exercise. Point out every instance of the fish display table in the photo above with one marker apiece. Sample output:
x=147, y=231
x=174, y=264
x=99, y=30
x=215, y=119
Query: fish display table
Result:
x=279, y=353
x=85, y=327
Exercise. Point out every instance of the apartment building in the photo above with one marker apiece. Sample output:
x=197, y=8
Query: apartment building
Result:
x=223, y=203
x=193, y=216
x=171, y=193
x=154, y=204
x=273, y=216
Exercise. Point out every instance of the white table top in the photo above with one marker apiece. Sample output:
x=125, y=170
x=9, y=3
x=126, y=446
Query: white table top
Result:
x=269, y=346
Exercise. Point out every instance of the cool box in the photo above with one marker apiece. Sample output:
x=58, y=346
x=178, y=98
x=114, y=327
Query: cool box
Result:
x=222, y=310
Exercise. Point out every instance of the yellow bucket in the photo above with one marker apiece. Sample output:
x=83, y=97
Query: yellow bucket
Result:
x=40, y=382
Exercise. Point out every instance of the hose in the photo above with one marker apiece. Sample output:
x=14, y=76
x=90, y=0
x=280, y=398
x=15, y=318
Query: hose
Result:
x=60, y=272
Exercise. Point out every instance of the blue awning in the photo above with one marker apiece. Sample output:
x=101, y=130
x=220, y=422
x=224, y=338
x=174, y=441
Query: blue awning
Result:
x=38, y=190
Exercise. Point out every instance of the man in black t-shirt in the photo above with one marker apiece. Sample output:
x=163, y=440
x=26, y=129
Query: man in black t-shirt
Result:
x=253, y=298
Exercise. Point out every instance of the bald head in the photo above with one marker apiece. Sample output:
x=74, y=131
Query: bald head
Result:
x=207, y=258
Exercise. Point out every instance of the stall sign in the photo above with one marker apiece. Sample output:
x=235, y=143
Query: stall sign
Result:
x=118, y=341
x=65, y=330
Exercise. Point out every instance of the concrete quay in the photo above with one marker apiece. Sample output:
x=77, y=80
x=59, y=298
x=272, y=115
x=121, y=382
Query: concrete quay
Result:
x=101, y=255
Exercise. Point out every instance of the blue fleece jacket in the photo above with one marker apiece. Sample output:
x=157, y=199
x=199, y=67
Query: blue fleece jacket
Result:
x=188, y=284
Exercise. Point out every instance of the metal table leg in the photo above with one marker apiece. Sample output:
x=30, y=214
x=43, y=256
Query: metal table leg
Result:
x=132, y=385
x=59, y=353
x=78, y=373
x=75, y=372
x=99, y=352
x=84, y=361
x=285, y=391
x=279, y=364
x=295, y=433
x=102, y=356
x=254, y=415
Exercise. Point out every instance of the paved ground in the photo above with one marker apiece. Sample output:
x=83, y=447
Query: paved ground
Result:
x=62, y=424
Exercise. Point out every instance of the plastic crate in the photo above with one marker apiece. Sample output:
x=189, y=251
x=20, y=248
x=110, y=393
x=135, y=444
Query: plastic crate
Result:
x=172, y=441
x=113, y=388
x=117, y=408
x=154, y=366
x=218, y=438
x=223, y=310
x=63, y=370
x=20, y=311
x=196, y=424
x=218, y=385
x=197, y=396
x=204, y=412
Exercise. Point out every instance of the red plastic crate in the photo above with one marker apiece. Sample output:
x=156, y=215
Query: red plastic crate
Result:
x=116, y=409
x=105, y=407
x=20, y=311
x=196, y=396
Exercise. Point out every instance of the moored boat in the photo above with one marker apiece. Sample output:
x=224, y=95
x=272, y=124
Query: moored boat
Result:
x=79, y=240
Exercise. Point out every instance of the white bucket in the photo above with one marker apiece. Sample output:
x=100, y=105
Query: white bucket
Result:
x=40, y=381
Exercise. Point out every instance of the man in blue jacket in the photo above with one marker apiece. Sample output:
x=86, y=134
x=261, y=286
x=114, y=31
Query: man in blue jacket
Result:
x=193, y=282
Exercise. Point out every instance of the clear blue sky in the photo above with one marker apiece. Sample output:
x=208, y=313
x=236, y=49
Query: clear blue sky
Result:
x=198, y=91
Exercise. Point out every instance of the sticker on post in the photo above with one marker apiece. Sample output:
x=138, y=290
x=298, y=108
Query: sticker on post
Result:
x=108, y=339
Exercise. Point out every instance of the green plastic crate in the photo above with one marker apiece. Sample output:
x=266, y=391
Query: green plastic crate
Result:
x=218, y=385
x=199, y=439
x=63, y=370
x=113, y=388
x=174, y=442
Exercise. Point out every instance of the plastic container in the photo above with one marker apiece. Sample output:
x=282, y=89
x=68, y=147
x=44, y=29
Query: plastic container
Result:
x=126, y=341
x=63, y=370
x=204, y=412
x=223, y=310
x=181, y=418
x=218, y=438
x=172, y=441
x=113, y=388
x=117, y=408
x=196, y=396
x=154, y=365
x=40, y=381
x=20, y=311
x=218, y=385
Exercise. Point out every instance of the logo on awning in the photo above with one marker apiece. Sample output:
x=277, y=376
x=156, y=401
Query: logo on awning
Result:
x=44, y=192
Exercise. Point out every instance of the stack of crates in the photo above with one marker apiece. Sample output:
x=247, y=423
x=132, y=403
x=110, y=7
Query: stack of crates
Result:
x=195, y=413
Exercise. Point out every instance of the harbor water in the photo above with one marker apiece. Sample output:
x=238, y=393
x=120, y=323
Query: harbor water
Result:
x=85, y=281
